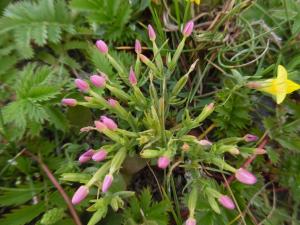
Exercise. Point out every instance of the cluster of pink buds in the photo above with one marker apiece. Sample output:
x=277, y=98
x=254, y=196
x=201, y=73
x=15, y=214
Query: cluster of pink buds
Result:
x=92, y=154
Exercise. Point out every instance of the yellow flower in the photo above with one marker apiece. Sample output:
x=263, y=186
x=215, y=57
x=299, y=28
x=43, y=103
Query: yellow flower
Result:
x=196, y=1
x=278, y=87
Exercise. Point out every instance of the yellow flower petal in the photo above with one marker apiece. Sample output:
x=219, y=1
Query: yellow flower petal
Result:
x=278, y=87
x=198, y=2
x=281, y=84
x=268, y=86
x=292, y=86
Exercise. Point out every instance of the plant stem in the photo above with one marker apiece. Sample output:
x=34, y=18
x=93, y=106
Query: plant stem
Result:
x=56, y=184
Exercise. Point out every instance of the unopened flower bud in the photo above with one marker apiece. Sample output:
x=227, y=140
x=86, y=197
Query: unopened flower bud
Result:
x=86, y=156
x=188, y=28
x=234, y=151
x=109, y=123
x=151, y=33
x=80, y=195
x=88, y=98
x=132, y=77
x=250, y=138
x=245, y=176
x=113, y=103
x=163, y=162
x=226, y=201
x=98, y=81
x=210, y=106
x=101, y=45
x=185, y=147
x=82, y=85
x=69, y=101
x=100, y=155
x=100, y=126
x=137, y=47
x=205, y=143
x=260, y=151
x=190, y=221
x=144, y=58
x=107, y=182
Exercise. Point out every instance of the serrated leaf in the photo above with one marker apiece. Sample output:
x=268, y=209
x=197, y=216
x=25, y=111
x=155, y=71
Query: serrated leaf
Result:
x=22, y=215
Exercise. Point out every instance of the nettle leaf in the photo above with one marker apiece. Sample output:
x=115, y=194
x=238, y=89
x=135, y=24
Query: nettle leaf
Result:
x=57, y=118
x=16, y=196
x=110, y=22
x=22, y=215
x=52, y=216
x=39, y=22
x=154, y=212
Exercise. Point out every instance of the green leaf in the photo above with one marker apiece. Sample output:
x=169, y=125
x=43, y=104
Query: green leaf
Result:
x=22, y=215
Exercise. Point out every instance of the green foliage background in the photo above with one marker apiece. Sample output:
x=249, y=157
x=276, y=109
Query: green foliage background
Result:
x=45, y=44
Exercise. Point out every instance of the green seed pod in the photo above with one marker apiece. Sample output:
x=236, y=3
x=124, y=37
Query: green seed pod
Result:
x=117, y=160
x=179, y=85
x=149, y=153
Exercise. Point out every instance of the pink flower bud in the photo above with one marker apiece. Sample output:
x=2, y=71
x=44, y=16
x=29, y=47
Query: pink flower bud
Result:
x=113, y=103
x=138, y=47
x=80, y=195
x=250, y=138
x=163, y=162
x=226, y=201
x=245, y=176
x=144, y=58
x=109, y=123
x=86, y=156
x=151, y=33
x=101, y=45
x=205, y=143
x=82, y=85
x=188, y=28
x=100, y=155
x=88, y=98
x=100, y=125
x=98, y=81
x=132, y=77
x=107, y=182
x=260, y=151
x=190, y=221
x=211, y=106
x=69, y=101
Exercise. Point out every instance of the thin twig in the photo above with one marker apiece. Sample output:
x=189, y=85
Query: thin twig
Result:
x=56, y=184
